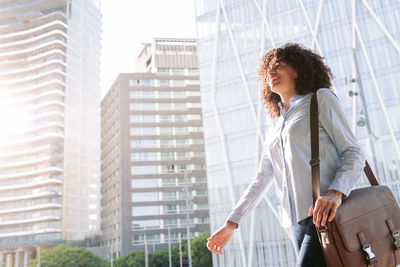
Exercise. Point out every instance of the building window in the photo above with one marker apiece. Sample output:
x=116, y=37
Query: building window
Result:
x=164, y=106
x=173, y=222
x=169, y=209
x=145, y=210
x=166, y=118
x=146, y=83
x=166, y=143
x=143, y=131
x=169, y=195
x=144, y=156
x=142, y=183
x=134, y=83
x=178, y=83
x=167, y=155
x=163, y=70
x=179, y=106
x=148, y=169
x=163, y=83
x=142, y=118
x=144, y=196
x=178, y=71
x=141, y=94
x=142, y=106
x=166, y=130
x=139, y=239
x=143, y=143
x=192, y=71
x=164, y=94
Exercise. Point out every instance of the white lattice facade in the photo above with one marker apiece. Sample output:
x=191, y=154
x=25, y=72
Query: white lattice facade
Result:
x=360, y=41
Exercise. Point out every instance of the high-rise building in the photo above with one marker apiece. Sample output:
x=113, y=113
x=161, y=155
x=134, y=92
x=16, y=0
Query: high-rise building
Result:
x=360, y=41
x=151, y=135
x=50, y=118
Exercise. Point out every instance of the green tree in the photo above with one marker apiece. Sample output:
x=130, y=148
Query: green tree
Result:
x=132, y=259
x=61, y=256
x=159, y=258
x=201, y=256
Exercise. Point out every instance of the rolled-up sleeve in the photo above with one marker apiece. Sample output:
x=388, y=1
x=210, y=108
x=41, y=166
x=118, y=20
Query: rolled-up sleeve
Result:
x=333, y=120
x=255, y=190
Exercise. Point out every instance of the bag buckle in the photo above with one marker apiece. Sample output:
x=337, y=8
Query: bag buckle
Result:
x=314, y=161
x=369, y=255
x=396, y=239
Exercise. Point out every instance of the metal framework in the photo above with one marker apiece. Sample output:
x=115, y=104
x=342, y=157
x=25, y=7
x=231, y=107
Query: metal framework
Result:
x=247, y=260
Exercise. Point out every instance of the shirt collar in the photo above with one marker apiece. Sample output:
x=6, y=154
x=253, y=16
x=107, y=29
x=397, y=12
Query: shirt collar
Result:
x=293, y=102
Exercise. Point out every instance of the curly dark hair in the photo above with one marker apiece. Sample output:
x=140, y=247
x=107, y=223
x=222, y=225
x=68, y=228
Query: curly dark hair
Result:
x=312, y=72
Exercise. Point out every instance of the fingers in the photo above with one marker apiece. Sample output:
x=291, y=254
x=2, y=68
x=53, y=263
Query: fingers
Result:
x=310, y=211
x=213, y=247
x=326, y=210
x=332, y=215
x=316, y=211
x=324, y=216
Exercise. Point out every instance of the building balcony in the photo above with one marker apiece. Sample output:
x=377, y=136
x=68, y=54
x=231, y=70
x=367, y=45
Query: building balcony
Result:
x=31, y=232
x=32, y=51
x=28, y=140
x=32, y=151
x=31, y=173
x=18, y=163
x=14, y=10
x=32, y=185
x=46, y=194
x=30, y=68
x=31, y=208
x=33, y=78
x=46, y=26
x=30, y=220
x=26, y=89
x=26, y=43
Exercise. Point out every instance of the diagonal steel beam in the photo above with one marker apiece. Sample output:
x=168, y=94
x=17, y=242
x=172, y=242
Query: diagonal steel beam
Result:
x=378, y=92
x=318, y=19
x=241, y=70
x=314, y=35
x=265, y=22
x=380, y=24
x=225, y=154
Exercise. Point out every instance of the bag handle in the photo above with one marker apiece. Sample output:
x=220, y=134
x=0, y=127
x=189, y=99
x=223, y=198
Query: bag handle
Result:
x=314, y=162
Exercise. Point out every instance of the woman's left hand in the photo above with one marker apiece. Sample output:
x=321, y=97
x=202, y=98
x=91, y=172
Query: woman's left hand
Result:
x=325, y=207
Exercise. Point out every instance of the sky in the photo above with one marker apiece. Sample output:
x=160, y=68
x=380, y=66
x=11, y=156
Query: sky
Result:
x=127, y=23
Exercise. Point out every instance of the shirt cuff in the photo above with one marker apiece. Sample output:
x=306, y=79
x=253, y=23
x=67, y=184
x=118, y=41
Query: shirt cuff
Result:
x=341, y=188
x=234, y=218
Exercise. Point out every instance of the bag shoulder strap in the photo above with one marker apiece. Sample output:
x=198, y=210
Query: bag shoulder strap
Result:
x=314, y=162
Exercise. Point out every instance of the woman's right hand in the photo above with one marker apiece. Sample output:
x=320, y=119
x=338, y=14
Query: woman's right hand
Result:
x=218, y=240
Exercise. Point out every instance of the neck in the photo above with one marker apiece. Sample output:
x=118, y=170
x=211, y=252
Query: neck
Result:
x=285, y=99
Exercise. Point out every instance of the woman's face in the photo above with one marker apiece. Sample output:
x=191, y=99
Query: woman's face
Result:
x=280, y=76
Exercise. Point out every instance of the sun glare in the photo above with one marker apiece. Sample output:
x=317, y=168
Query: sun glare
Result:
x=14, y=119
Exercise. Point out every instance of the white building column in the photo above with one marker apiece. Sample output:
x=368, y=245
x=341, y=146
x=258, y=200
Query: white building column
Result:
x=17, y=258
x=26, y=258
x=1, y=258
x=9, y=260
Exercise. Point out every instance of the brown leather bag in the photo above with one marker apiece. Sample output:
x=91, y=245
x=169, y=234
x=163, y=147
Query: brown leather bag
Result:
x=365, y=230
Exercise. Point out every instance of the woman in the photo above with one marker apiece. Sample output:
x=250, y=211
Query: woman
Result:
x=290, y=75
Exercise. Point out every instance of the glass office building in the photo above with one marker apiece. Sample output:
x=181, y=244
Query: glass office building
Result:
x=360, y=41
x=50, y=118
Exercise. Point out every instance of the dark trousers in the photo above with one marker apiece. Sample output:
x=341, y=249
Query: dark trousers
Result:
x=307, y=244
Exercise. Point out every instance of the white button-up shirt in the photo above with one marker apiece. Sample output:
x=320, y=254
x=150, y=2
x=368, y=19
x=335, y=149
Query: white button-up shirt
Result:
x=287, y=153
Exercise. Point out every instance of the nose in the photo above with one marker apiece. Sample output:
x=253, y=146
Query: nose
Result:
x=271, y=70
